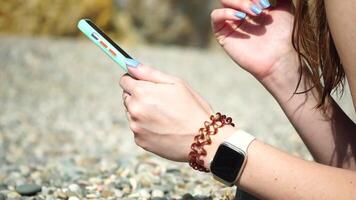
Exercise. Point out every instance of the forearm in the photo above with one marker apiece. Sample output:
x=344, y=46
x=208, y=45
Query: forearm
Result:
x=341, y=20
x=329, y=137
x=272, y=174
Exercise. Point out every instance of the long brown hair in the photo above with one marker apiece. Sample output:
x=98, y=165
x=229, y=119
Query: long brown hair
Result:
x=318, y=56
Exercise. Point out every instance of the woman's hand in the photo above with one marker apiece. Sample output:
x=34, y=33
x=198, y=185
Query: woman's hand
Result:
x=164, y=113
x=257, y=42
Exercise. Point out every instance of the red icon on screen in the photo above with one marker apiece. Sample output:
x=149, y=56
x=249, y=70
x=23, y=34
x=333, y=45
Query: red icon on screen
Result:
x=112, y=52
x=103, y=44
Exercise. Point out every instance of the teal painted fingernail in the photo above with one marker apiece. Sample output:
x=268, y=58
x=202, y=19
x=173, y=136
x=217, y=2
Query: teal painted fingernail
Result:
x=132, y=62
x=240, y=15
x=265, y=3
x=255, y=9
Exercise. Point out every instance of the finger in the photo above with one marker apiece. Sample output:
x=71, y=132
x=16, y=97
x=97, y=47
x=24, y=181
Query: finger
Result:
x=128, y=83
x=266, y=3
x=125, y=99
x=146, y=73
x=129, y=117
x=125, y=95
x=220, y=16
x=131, y=108
x=252, y=8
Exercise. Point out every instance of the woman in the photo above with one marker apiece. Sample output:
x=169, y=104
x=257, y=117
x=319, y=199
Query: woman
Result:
x=287, y=48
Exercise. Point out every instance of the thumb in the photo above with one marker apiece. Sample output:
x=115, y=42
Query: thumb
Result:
x=146, y=73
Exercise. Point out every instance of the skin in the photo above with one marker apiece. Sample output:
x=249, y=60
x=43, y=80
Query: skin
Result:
x=157, y=115
x=340, y=17
x=154, y=100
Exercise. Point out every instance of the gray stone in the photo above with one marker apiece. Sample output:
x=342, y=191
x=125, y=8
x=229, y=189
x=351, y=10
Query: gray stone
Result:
x=173, y=171
x=3, y=186
x=2, y=197
x=200, y=197
x=159, y=198
x=242, y=195
x=188, y=196
x=28, y=189
x=123, y=184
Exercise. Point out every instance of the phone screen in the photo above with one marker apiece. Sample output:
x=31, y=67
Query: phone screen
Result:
x=108, y=39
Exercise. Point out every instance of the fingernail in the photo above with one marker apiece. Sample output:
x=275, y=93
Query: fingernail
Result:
x=240, y=15
x=265, y=3
x=255, y=9
x=132, y=62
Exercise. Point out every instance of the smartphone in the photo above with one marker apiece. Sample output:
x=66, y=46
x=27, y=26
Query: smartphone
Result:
x=117, y=54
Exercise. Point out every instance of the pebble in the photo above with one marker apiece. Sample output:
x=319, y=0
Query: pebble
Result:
x=83, y=183
x=24, y=170
x=90, y=188
x=60, y=195
x=106, y=193
x=92, y=196
x=28, y=189
x=188, y=196
x=143, y=193
x=70, y=193
x=157, y=193
x=164, y=188
x=13, y=195
x=159, y=198
x=145, y=181
x=133, y=183
x=173, y=171
x=73, y=198
x=3, y=186
x=124, y=185
x=74, y=188
x=123, y=172
x=95, y=180
x=201, y=197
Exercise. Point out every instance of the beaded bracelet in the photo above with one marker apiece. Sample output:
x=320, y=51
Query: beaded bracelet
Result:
x=203, y=138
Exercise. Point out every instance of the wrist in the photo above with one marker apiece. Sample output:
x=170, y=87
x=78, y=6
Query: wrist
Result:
x=206, y=143
x=217, y=139
x=283, y=79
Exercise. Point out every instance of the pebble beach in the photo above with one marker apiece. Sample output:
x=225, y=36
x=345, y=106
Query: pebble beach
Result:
x=63, y=129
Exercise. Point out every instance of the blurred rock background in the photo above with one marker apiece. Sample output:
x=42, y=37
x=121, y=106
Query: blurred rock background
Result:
x=62, y=122
x=183, y=22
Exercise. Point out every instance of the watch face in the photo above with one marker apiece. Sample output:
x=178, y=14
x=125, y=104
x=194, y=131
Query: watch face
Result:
x=227, y=163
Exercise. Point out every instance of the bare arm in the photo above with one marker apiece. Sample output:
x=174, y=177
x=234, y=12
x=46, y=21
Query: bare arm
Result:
x=272, y=174
x=330, y=138
x=341, y=19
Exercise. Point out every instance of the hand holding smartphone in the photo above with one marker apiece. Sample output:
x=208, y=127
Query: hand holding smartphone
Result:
x=106, y=44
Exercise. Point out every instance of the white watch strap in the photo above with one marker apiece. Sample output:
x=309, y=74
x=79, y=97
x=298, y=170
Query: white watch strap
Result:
x=241, y=140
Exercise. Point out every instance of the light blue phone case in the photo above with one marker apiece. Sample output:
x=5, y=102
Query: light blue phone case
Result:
x=104, y=45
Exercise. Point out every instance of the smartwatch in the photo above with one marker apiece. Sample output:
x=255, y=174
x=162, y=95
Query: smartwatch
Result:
x=230, y=158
